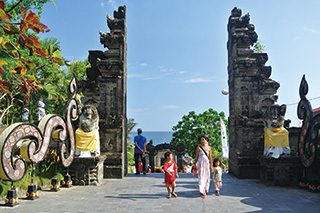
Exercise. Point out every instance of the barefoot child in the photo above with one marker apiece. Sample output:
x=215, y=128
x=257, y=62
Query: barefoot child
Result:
x=170, y=173
x=217, y=176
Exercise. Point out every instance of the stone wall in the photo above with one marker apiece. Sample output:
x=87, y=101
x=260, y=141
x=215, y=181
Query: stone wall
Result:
x=251, y=96
x=106, y=88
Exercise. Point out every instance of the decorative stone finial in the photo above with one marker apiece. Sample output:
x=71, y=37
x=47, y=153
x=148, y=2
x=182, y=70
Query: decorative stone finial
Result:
x=236, y=12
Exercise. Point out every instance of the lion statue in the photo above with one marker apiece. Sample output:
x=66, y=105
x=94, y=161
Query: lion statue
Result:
x=89, y=118
x=87, y=135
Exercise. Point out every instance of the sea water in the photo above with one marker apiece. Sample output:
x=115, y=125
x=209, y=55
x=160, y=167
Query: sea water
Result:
x=157, y=137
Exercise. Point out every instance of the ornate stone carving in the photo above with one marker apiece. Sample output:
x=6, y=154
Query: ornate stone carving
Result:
x=110, y=144
x=108, y=74
x=89, y=118
x=111, y=41
x=93, y=58
x=121, y=13
x=36, y=140
x=309, y=135
x=87, y=171
x=251, y=96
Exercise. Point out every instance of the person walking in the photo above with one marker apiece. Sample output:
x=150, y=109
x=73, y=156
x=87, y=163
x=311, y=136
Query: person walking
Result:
x=140, y=151
x=204, y=165
x=217, y=175
x=170, y=174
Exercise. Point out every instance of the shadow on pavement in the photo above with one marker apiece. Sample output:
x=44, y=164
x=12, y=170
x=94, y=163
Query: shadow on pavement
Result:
x=183, y=194
x=137, y=196
x=160, y=175
x=269, y=198
x=188, y=194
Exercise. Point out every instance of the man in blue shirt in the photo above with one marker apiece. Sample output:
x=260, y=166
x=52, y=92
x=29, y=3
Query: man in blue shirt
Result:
x=140, y=151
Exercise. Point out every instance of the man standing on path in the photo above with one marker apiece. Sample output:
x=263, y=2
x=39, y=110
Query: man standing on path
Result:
x=140, y=151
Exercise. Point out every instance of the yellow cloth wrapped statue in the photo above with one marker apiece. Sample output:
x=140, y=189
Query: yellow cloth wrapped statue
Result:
x=277, y=137
x=276, y=142
x=86, y=141
x=87, y=135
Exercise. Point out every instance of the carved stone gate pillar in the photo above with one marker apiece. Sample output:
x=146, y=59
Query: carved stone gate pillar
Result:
x=106, y=87
x=251, y=96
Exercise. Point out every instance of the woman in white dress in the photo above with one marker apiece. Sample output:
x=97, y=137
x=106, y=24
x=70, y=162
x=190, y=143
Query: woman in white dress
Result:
x=204, y=165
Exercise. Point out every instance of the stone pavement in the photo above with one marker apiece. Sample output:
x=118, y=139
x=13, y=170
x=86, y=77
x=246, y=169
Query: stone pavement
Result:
x=148, y=194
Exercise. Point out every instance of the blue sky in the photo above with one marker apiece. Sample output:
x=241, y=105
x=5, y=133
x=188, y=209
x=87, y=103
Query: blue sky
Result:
x=177, y=55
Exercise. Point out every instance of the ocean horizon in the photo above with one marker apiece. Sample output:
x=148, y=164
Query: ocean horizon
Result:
x=157, y=137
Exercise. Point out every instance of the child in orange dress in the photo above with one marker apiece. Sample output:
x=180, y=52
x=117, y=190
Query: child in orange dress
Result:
x=170, y=174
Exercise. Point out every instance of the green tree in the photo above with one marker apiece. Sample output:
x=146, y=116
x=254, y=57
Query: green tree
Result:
x=192, y=126
x=14, y=6
x=130, y=148
x=55, y=81
x=78, y=69
x=130, y=125
x=22, y=54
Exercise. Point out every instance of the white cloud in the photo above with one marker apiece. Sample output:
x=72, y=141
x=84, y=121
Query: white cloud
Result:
x=163, y=70
x=136, y=110
x=112, y=3
x=170, y=107
x=152, y=78
x=143, y=64
x=198, y=80
x=134, y=75
x=311, y=30
x=149, y=72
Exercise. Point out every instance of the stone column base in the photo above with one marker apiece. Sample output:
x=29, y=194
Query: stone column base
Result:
x=113, y=167
x=245, y=167
x=111, y=172
x=87, y=171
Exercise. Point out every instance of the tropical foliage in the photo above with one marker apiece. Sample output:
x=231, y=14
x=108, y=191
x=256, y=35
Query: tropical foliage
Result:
x=31, y=69
x=22, y=54
x=193, y=125
x=130, y=148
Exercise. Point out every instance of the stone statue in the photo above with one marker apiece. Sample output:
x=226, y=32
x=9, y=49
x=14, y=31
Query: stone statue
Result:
x=275, y=116
x=87, y=135
x=276, y=137
x=89, y=118
x=41, y=109
x=25, y=114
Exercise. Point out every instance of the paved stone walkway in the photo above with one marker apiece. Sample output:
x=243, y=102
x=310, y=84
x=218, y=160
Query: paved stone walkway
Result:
x=148, y=194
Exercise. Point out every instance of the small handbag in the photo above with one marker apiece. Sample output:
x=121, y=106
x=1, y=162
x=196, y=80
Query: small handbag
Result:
x=194, y=171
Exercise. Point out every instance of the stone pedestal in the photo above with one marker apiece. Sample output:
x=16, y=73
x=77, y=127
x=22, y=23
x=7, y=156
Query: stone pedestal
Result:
x=87, y=171
x=283, y=171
